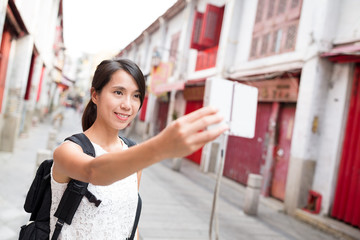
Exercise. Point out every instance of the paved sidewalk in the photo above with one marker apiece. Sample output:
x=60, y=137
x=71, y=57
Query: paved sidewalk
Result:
x=176, y=205
x=17, y=171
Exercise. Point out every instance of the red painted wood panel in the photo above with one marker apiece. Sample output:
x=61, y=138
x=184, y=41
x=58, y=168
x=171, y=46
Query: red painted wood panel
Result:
x=40, y=84
x=206, y=59
x=190, y=107
x=282, y=150
x=4, y=59
x=211, y=26
x=347, y=195
x=245, y=156
x=195, y=37
x=30, y=76
x=162, y=116
x=143, y=109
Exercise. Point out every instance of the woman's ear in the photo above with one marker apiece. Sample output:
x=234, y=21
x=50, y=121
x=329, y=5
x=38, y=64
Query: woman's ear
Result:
x=94, y=95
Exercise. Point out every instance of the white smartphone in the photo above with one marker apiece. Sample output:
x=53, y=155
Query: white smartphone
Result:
x=236, y=102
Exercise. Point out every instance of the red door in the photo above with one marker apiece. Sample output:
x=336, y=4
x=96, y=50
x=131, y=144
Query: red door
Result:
x=162, y=116
x=245, y=156
x=282, y=150
x=190, y=107
x=347, y=196
x=4, y=59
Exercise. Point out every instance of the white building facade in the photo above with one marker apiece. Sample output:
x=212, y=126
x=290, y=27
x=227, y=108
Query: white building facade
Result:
x=303, y=56
x=30, y=63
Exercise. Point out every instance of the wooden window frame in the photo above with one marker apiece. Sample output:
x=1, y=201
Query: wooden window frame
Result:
x=206, y=39
x=174, y=45
x=196, y=32
x=204, y=34
x=277, y=22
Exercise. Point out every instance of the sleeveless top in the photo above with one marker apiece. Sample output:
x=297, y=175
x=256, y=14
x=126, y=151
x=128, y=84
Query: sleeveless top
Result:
x=112, y=219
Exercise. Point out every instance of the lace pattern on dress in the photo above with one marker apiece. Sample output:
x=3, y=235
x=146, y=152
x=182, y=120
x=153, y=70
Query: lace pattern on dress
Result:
x=113, y=219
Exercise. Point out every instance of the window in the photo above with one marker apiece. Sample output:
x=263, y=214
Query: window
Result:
x=206, y=35
x=174, y=47
x=275, y=29
x=207, y=28
x=195, y=40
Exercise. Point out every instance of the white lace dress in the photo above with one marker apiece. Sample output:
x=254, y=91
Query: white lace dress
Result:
x=113, y=219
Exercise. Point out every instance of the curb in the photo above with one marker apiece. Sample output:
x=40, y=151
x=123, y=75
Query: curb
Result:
x=336, y=228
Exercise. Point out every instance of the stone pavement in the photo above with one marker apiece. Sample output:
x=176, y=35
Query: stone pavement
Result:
x=176, y=205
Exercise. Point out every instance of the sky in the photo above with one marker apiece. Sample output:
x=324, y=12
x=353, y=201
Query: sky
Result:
x=94, y=26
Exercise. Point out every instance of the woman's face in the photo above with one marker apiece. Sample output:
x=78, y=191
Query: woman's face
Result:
x=119, y=100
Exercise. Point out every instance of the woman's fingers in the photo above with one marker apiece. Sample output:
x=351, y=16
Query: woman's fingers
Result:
x=202, y=112
x=201, y=138
x=204, y=122
x=189, y=133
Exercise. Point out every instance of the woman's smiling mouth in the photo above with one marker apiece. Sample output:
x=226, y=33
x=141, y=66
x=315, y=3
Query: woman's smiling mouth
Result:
x=122, y=117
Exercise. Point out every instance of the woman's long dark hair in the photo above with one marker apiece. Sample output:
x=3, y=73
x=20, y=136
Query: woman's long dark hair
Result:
x=102, y=76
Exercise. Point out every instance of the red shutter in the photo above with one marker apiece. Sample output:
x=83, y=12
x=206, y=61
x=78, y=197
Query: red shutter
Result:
x=211, y=26
x=4, y=59
x=29, y=82
x=206, y=58
x=143, y=109
x=195, y=38
x=40, y=84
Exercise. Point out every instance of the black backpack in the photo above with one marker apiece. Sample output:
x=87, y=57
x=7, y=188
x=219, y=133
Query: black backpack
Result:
x=38, y=199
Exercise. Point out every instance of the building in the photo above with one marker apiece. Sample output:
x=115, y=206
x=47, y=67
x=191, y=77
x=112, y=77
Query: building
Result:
x=307, y=73
x=30, y=65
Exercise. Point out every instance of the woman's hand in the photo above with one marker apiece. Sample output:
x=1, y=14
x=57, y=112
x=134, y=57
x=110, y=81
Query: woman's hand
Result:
x=189, y=133
x=181, y=138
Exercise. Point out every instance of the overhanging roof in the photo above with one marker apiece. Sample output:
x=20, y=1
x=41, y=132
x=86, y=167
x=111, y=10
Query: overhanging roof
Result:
x=344, y=53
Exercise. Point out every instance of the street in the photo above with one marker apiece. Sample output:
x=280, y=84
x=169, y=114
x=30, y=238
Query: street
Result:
x=176, y=205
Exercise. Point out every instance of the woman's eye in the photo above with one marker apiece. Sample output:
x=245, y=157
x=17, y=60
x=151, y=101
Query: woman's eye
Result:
x=137, y=95
x=118, y=92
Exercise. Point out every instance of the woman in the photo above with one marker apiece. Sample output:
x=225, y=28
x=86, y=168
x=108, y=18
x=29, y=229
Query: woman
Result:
x=117, y=94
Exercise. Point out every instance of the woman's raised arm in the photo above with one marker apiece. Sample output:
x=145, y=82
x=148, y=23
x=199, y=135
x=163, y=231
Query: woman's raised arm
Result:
x=182, y=137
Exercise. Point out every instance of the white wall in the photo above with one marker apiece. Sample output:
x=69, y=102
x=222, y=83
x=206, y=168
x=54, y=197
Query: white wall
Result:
x=143, y=52
x=331, y=133
x=3, y=5
x=40, y=18
x=246, y=25
x=348, y=24
x=156, y=38
x=174, y=26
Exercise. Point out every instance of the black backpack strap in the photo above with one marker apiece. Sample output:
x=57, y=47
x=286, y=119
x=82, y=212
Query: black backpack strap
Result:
x=128, y=141
x=137, y=217
x=131, y=143
x=58, y=227
x=84, y=142
x=75, y=190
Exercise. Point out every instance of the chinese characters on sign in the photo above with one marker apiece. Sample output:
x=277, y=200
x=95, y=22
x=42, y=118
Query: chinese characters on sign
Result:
x=159, y=76
x=277, y=90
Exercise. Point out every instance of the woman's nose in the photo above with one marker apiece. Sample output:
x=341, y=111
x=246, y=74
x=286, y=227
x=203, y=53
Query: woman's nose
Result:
x=125, y=104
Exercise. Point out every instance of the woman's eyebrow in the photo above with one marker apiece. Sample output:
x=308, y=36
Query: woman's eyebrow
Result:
x=123, y=88
x=118, y=87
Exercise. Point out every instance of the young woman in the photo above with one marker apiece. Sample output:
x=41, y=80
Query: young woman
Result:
x=117, y=94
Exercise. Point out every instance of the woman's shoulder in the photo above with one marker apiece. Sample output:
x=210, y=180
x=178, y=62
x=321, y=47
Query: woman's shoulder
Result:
x=66, y=148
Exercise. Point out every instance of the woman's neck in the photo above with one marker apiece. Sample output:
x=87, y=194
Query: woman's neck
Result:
x=104, y=136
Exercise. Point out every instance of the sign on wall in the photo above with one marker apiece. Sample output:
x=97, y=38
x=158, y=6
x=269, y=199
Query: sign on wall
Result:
x=277, y=90
x=159, y=75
